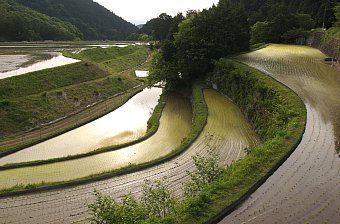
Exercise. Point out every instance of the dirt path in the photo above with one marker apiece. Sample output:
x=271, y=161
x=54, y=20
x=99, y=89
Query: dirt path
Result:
x=306, y=188
x=229, y=135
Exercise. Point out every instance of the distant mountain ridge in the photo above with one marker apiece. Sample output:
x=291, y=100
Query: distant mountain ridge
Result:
x=93, y=20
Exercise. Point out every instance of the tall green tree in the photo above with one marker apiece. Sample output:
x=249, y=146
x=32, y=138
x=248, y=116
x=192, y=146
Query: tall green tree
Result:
x=201, y=38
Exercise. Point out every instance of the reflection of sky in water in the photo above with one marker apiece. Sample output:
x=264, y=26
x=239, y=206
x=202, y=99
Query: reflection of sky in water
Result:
x=57, y=60
x=13, y=58
x=142, y=74
x=131, y=118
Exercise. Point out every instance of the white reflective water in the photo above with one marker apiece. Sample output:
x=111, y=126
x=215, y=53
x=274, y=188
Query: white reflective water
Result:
x=57, y=60
x=142, y=74
x=29, y=57
x=127, y=123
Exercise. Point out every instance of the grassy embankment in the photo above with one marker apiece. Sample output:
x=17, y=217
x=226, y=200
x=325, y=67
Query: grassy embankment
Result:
x=278, y=116
x=152, y=127
x=200, y=114
x=29, y=100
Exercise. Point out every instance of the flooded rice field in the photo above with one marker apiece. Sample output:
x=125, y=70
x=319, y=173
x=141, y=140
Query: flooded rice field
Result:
x=22, y=58
x=175, y=124
x=227, y=131
x=127, y=123
x=142, y=74
x=306, y=188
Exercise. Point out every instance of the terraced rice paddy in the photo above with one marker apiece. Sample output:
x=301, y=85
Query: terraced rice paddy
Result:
x=57, y=59
x=23, y=58
x=175, y=124
x=227, y=131
x=125, y=124
x=306, y=188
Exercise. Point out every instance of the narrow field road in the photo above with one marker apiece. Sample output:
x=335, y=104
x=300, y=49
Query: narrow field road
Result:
x=306, y=188
x=226, y=129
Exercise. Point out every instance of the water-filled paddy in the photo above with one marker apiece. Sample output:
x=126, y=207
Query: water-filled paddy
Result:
x=125, y=124
x=74, y=200
x=175, y=124
x=16, y=67
x=226, y=131
x=142, y=74
x=24, y=58
x=305, y=189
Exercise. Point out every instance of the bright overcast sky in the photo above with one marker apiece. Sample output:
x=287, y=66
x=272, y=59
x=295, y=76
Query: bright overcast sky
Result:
x=140, y=11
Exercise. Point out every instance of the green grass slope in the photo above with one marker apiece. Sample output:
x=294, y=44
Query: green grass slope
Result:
x=29, y=100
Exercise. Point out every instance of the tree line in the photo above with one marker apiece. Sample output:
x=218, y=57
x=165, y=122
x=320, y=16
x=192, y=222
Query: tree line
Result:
x=193, y=42
x=93, y=20
x=19, y=23
x=190, y=43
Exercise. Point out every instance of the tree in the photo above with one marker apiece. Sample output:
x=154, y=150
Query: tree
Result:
x=337, y=14
x=93, y=20
x=20, y=23
x=261, y=32
x=208, y=169
x=157, y=199
x=211, y=34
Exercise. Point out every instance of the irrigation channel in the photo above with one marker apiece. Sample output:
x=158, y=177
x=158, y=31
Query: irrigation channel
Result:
x=226, y=130
x=306, y=188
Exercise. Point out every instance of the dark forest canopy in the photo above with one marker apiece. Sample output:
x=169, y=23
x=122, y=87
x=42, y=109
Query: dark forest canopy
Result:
x=271, y=20
x=193, y=43
x=92, y=19
x=286, y=20
x=260, y=10
x=19, y=23
x=189, y=46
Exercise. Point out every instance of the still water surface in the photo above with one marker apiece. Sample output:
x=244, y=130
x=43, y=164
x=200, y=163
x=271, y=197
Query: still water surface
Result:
x=125, y=124
x=24, y=58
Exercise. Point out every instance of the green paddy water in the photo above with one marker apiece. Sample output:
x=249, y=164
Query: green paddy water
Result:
x=226, y=131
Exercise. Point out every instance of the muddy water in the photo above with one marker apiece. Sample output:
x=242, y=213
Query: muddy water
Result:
x=175, y=124
x=24, y=58
x=306, y=188
x=226, y=131
x=17, y=66
x=125, y=124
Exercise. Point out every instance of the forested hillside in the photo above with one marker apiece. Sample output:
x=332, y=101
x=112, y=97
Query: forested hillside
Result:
x=92, y=19
x=18, y=23
x=285, y=20
x=266, y=9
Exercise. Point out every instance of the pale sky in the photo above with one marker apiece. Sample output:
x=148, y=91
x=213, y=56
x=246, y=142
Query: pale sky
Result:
x=140, y=11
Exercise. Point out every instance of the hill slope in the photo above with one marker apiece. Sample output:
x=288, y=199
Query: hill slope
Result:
x=92, y=19
x=19, y=23
x=261, y=10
